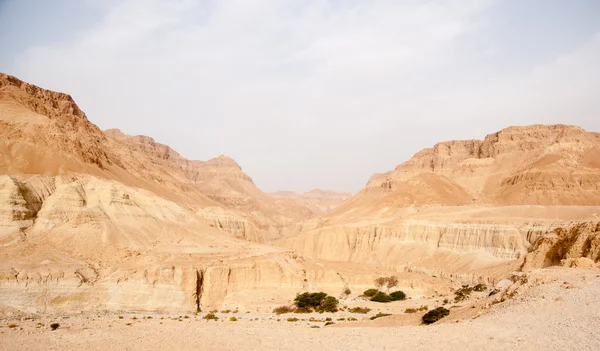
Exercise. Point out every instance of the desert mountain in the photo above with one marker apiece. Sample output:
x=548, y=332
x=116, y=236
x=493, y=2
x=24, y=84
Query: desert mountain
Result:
x=318, y=201
x=470, y=207
x=92, y=219
x=104, y=221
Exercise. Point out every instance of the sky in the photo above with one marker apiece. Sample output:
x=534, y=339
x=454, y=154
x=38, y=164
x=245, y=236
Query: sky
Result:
x=314, y=93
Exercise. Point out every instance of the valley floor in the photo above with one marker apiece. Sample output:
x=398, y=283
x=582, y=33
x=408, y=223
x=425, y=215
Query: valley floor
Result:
x=560, y=310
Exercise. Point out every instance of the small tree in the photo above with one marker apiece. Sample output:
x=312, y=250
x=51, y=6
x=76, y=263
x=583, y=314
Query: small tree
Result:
x=392, y=282
x=380, y=282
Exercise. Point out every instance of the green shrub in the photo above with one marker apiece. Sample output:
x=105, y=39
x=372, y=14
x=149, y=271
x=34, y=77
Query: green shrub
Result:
x=398, y=296
x=329, y=304
x=309, y=300
x=210, y=316
x=54, y=326
x=282, y=310
x=435, y=315
x=379, y=315
x=480, y=287
x=381, y=297
x=362, y=310
x=463, y=293
x=320, y=302
x=370, y=292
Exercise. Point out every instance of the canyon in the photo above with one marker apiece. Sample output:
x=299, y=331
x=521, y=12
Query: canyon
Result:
x=100, y=221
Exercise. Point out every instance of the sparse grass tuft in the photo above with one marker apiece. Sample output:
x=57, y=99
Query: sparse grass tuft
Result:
x=379, y=315
x=211, y=316
x=362, y=310
x=283, y=309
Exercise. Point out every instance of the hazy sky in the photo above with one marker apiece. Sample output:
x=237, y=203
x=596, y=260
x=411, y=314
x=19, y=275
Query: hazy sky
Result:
x=311, y=93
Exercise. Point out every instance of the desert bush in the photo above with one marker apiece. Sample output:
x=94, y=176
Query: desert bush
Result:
x=293, y=319
x=362, y=310
x=282, y=310
x=302, y=310
x=435, y=315
x=320, y=302
x=315, y=326
x=120, y=317
x=352, y=319
x=12, y=325
x=329, y=323
x=381, y=297
x=54, y=326
x=347, y=291
x=379, y=315
x=370, y=292
x=479, y=287
x=309, y=300
x=210, y=316
x=463, y=293
x=341, y=319
x=225, y=311
x=233, y=319
x=398, y=295
x=329, y=304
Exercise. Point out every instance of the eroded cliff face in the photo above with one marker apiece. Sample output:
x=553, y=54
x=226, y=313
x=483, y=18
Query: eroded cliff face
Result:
x=565, y=246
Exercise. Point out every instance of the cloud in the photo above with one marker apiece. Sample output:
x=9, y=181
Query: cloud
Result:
x=307, y=94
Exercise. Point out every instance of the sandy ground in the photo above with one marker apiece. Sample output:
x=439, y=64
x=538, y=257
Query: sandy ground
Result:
x=559, y=310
